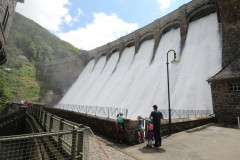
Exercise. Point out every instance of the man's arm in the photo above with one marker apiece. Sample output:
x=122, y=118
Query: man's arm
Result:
x=150, y=116
x=162, y=117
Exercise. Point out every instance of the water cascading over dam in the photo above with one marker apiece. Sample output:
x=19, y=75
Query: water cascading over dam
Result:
x=134, y=82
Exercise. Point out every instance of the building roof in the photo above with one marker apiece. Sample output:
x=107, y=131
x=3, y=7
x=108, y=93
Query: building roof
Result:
x=231, y=71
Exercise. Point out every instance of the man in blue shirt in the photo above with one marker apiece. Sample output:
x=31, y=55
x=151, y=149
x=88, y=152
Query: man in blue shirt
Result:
x=156, y=119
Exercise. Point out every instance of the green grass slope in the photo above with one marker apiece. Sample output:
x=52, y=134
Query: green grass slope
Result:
x=36, y=43
x=21, y=80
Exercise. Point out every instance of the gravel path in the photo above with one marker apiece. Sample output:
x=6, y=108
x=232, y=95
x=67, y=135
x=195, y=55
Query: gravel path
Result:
x=93, y=151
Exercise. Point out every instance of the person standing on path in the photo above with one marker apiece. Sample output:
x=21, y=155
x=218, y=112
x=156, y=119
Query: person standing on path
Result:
x=120, y=127
x=156, y=117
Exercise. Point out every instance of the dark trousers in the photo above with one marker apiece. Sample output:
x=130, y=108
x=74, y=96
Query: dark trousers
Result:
x=120, y=131
x=157, y=135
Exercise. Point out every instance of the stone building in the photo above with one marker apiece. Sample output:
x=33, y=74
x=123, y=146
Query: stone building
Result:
x=225, y=85
x=7, y=10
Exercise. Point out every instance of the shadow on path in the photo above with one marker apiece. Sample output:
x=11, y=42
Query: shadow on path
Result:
x=152, y=150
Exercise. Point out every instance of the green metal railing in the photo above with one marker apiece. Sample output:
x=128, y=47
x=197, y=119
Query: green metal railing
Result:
x=57, y=139
x=72, y=143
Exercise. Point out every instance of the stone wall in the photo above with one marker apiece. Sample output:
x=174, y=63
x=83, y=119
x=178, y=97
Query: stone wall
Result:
x=7, y=10
x=229, y=16
x=4, y=4
x=13, y=123
x=226, y=104
x=107, y=127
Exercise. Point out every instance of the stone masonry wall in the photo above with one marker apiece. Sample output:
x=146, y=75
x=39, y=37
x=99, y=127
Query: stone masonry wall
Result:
x=107, y=127
x=3, y=7
x=229, y=16
x=226, y=104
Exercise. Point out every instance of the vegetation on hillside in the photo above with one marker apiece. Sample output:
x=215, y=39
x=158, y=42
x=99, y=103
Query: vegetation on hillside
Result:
x=22, y=82
x=4, y=91
x=36, y=43
x=19, y=79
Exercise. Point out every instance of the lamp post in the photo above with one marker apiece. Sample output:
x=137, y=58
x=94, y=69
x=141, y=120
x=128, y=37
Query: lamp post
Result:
x=169, y=108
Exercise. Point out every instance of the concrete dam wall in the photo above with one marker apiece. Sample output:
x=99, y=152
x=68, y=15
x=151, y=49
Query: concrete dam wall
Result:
x=131, y=72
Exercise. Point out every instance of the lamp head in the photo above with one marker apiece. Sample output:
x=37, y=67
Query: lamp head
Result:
x=175, y=60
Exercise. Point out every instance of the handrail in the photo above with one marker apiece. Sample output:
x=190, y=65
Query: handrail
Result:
x=51, y=123
x=108, y=112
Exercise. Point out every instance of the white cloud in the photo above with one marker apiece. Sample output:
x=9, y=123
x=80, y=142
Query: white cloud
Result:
x=80, y=12
x=68, y=20
x=103, y=29
x=48, y=13
x=164, y=4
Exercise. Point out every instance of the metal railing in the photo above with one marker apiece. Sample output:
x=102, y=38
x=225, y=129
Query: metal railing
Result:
x=109, y=112
x=186, y=113
x=71, y=143
x=62, y=139
x=37, y=146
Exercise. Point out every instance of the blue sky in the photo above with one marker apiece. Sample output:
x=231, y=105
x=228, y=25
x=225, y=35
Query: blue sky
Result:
x=88, y=24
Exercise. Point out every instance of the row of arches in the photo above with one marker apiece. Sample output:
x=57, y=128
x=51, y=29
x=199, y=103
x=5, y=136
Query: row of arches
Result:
x=156, y=29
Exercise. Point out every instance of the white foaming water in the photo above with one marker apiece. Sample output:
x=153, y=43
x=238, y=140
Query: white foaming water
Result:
x=137, y=85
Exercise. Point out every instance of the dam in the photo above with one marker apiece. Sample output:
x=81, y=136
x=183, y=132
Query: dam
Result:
x=133, y=75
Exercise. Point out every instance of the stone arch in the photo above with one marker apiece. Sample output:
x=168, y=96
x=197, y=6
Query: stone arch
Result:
x=114, y=49
x=91, y=57
x=129, y=43
x=147, y=36
x=103, y=53
x=201, y=11
x=171, y=25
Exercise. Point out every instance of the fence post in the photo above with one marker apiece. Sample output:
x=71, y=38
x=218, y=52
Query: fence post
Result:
x=27, y=109
x=41, y=116
x=45, y=120
x=60, y=136
x=96, y=111
x=108, y=112
x=80, y=141
x=74, y=139
x=51, y=123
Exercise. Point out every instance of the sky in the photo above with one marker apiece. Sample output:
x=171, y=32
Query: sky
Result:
x=88, y=24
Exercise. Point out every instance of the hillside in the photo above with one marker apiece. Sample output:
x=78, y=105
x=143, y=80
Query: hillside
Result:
x=29, y=39
x=20, y=79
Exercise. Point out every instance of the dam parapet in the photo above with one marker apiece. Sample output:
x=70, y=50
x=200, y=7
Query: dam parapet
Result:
x=178, y=18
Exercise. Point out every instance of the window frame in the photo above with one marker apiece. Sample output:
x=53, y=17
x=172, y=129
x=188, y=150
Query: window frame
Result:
x=234, y=87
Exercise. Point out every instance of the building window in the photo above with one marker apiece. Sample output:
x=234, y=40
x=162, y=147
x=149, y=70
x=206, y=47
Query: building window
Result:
x=234, y=86
x=5, y=19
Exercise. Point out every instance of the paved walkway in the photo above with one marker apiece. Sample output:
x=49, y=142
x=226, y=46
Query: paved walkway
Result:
x=202, y=143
